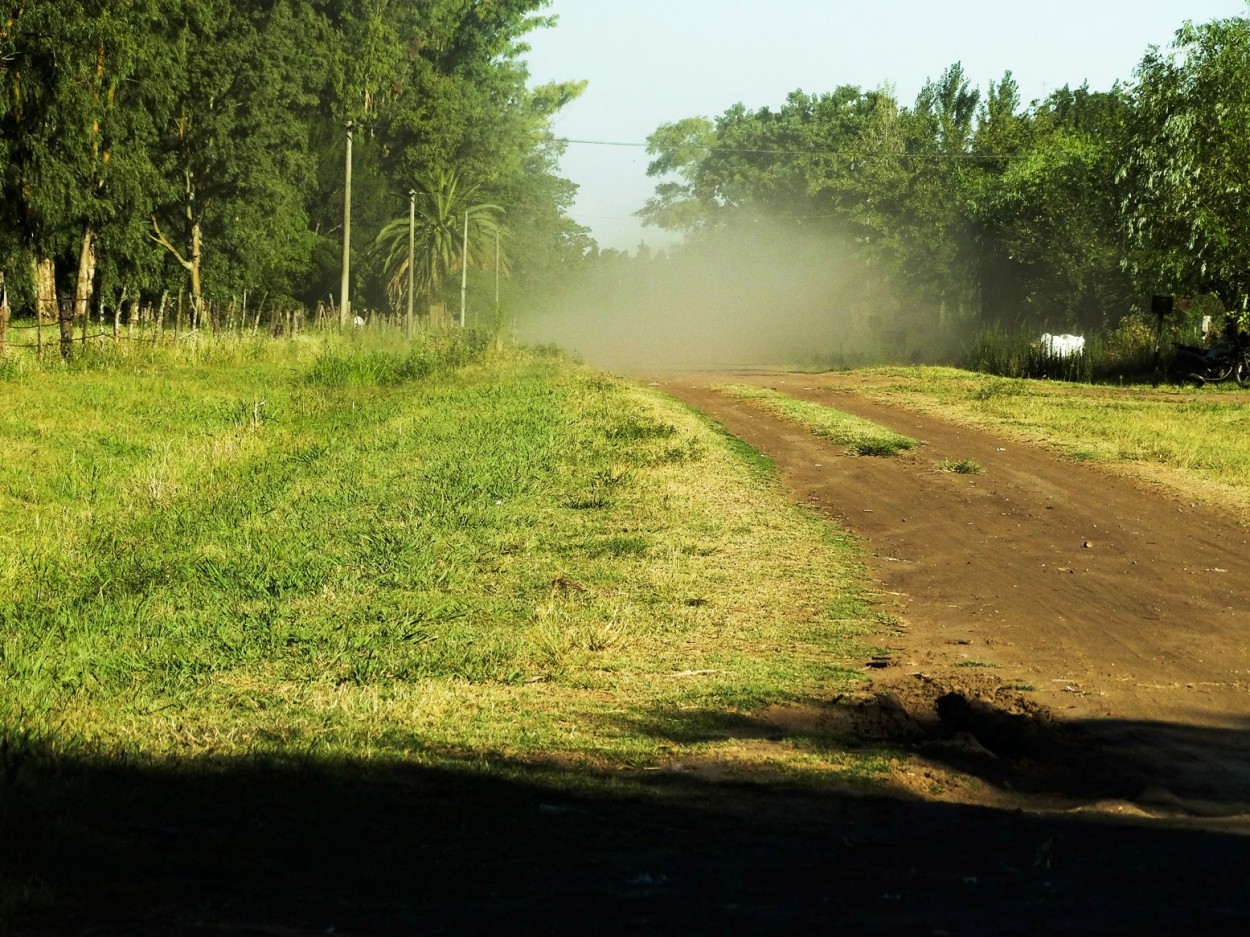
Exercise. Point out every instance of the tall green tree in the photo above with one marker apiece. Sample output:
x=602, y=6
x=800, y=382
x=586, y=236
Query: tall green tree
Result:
x=1187, y=210
x=78, y=140
x=145, y=144
x=1050, y=219
x=234, y=114
x=449, y=89
x=789, y=164
x=942, y=259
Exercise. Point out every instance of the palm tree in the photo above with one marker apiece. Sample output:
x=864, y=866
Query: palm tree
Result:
x=442, y=202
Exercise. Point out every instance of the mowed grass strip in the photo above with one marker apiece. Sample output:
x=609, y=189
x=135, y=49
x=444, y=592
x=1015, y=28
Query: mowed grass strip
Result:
x=496, y=557
x=1193, y=441
x=859, y=436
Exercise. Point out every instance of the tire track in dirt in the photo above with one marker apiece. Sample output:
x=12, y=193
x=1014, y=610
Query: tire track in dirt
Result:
x=1040, y=586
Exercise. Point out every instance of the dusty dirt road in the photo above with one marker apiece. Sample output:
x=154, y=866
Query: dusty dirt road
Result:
x=1070, y=637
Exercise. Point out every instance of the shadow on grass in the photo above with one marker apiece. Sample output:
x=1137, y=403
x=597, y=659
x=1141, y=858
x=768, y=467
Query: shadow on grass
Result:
x=308, y=847
x=1168, y=769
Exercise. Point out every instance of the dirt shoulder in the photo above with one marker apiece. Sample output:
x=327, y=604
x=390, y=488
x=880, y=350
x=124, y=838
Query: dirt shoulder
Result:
x=1084, y=637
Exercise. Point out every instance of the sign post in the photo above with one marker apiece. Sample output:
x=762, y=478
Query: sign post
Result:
x=1162, y=307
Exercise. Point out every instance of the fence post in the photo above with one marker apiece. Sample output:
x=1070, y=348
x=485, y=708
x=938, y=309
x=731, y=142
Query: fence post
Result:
x=160, y=316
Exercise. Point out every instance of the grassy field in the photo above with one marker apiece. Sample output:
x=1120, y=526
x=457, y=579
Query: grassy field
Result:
x=447, y=554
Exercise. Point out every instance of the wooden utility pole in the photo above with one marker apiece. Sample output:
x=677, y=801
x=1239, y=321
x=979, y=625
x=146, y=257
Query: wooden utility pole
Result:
x=464, y=268
x=4, y=313
x=412, y=252
x=345, y=298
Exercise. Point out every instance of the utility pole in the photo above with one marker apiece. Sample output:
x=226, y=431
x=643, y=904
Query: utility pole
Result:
x=464, y=268
x=412, y=251
x=345, y=303
x=4, y=313
x=496, y=272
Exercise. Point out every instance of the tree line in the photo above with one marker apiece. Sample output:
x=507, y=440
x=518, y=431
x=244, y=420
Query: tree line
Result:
x=149, y=146
x=1067, y=213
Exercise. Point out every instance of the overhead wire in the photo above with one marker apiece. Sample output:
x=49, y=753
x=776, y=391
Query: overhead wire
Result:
x=756, y=151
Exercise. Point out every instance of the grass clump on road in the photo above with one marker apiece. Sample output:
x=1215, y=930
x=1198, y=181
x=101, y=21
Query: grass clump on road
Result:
x=859, y=436
x=960, y=466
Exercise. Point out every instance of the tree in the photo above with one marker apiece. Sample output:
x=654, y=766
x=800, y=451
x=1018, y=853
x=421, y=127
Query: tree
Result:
x=788, y=164
x=1187, y=203
x=1049, y=220
x=680, y=149
x=449, y=90
x=235, y=155
x=941, y=254
x=443, y=201
x=77, y=153
x=148, y=143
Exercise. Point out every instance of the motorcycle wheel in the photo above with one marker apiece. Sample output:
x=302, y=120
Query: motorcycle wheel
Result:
x=1242, y=373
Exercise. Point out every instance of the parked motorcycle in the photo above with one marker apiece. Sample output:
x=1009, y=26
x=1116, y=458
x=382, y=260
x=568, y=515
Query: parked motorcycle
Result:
x=1228, y=359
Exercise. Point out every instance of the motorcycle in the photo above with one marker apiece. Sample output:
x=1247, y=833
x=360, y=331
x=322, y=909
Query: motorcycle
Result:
x=1228, y=359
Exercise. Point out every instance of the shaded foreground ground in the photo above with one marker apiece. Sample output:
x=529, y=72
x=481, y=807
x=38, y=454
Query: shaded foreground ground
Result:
x=308, y=849
x=1108, y=799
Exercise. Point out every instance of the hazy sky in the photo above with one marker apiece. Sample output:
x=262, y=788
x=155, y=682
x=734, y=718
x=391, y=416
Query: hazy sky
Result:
x=652, y=61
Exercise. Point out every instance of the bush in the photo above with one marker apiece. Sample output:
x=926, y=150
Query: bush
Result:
x=363, y=363
x=1127, y=353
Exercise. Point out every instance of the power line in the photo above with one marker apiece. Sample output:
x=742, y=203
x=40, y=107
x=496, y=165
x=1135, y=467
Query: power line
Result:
x=748, y=151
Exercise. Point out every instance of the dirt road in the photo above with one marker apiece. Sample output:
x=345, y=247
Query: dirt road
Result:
x=1063, y=633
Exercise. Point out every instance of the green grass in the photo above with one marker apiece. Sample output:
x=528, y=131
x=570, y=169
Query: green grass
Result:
x=859, y=436
x=438, y=553
x=960, y=466
x=1193, y=441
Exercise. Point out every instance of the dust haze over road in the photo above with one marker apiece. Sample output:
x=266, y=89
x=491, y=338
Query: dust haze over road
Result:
x=758, y=295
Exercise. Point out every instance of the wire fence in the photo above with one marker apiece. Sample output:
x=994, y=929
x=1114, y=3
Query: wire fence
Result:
x=157, y=325
x=168, y=323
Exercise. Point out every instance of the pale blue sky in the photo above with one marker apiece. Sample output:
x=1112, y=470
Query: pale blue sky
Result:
x=652, y=61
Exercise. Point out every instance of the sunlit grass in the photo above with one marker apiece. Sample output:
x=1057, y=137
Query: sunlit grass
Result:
x=400, y=552
x=859, y=436
x=1196, y=442
x=960, y=466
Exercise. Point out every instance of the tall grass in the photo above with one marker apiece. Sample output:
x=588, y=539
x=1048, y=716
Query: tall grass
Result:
x=381, y=363
x=1126, y=355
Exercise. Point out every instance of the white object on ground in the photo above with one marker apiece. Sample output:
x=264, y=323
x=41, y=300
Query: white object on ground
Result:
x=1062, y=346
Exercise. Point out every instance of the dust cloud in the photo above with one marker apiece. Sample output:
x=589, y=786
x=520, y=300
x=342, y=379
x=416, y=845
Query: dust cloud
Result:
x=754, y=296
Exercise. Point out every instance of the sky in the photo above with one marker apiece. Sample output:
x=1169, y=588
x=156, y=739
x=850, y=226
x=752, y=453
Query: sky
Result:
x=649, y=62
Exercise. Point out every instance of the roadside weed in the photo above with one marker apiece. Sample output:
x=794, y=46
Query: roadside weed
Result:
x=960, y=466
